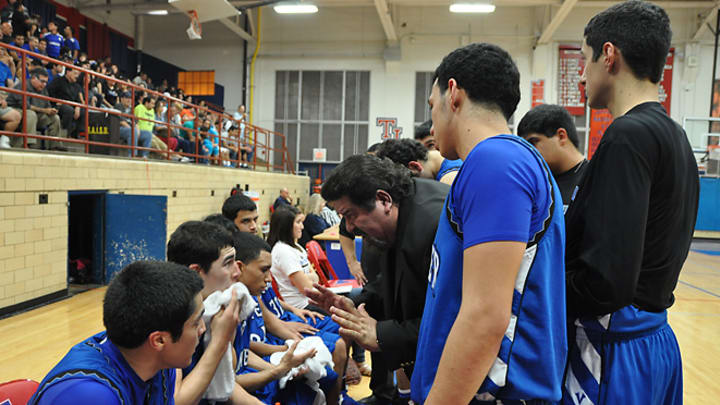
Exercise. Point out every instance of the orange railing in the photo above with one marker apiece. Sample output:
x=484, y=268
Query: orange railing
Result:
x=269, y=146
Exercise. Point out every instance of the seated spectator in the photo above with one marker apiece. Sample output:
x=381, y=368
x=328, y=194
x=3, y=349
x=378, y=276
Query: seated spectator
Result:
x=149, y=334
x=7, y=32
x=54, y=71
x=67, y=88
x=10, y=120
x=71, y=43
x=330, y=215
x=314, y=223
x=7, y=69
x=141, y=139
x=182, y=143
x=31, y=45
x=209, y=143
x=144, y=112
x=39, y=112
x=283, y=199
x=141, y=80
x=55, y=41
x=290, y=265
x=42, y=46
x=19, y=40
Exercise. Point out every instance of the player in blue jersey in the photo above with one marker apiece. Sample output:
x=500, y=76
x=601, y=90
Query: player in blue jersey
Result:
x=152, y=313
x=208, y=250
x=256, y=374
x=428, y=164
x=493, y=329
x=631, y=223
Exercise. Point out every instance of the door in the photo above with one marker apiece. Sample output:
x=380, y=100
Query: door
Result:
x=135, y=229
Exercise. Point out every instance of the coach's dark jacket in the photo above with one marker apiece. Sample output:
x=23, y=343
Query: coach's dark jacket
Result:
x=403, y=270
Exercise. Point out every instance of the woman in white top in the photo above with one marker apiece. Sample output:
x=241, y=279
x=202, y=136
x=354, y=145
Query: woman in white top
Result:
x=291, y=268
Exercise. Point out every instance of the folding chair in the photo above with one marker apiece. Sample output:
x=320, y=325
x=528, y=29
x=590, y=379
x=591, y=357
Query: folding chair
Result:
x=17, y=392
x=325, y=270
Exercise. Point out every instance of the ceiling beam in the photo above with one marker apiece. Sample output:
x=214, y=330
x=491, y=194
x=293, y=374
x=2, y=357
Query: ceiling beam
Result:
x=557, y=19
x=711, y=17
x=251, y=22
x=237, y=29
x=386, y=20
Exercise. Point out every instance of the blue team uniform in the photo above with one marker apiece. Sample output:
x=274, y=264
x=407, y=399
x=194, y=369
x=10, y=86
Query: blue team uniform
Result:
x=503, y=192
x=54, y=43
x=448, y=166
x=95, y=372
x=296, y=392
x=5, y=73
x=327, y=328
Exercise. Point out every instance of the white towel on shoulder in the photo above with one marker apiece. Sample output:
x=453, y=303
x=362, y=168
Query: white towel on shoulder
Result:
x=222, y=383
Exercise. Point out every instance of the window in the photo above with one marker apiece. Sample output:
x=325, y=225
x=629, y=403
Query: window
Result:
x=423, y=87
x=322, y=109
x=197, y=83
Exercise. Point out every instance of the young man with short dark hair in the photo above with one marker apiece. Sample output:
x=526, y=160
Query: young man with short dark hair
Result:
x=208, y=250
x=240, y=209
x=551, y=129
x=493, y=328
x=153, y=315
x=632, y=221
x=428, y=164
x=424, y=135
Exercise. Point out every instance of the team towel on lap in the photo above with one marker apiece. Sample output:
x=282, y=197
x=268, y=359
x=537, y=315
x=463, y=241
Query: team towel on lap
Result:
x=221, y=385
x=315, y=365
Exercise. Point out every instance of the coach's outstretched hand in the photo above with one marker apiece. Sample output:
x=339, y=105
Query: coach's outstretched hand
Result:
x=358, y=325
x=324, y=298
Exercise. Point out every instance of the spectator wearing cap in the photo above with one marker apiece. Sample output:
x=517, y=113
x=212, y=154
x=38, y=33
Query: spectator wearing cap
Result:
x=141, y=139
x=55, y=41
x=71, y=43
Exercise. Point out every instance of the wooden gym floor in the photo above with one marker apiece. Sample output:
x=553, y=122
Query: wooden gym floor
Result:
x=35, y=340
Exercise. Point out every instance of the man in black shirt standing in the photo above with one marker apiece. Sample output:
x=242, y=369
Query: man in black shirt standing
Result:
x=630, y=226
x=551, y=130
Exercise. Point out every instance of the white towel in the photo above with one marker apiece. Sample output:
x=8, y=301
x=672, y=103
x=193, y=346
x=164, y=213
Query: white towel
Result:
x=222, y=383
x=315, y=365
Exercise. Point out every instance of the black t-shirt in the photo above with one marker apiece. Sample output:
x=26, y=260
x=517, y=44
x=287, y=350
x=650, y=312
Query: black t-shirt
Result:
x=63, y=89
x=569, y=180
x=630, y=226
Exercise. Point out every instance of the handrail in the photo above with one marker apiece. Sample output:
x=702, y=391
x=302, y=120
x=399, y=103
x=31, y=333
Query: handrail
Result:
x=271, y=137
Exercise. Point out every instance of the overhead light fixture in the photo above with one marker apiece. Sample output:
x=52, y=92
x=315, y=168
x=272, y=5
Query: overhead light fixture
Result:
x=158, y=12
x=472, y=8
x=295, y=8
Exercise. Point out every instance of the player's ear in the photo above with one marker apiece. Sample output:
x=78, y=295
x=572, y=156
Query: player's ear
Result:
x=562, y=136
x=415, y=167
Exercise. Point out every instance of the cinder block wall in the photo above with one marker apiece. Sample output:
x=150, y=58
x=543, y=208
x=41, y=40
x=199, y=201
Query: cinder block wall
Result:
x=34, y=237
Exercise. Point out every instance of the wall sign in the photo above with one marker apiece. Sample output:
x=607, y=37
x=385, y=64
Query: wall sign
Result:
x=390, y=128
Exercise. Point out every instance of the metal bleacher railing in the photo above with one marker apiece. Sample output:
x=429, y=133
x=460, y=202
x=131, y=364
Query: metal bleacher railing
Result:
x=272, y=145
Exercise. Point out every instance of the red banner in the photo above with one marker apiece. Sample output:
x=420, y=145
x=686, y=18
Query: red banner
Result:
x=666, y=81
x=571, y=64
x=600, y=120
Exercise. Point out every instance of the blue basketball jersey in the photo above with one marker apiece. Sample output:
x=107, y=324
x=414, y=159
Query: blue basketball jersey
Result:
x=98, y=360
x=448, y=166
x=503, y=192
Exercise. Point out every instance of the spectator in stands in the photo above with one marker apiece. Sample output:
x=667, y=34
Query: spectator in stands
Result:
x=330, y=215
x=144, y=112
x=111, y=92
x=10, y=120
x=141, y=79
x=55, y=41
x=6, y=13
x=39, y=113
x=42, y=46
x=31, y=45
x=141, y=139
x=230, y=142
x=173, y=114
x=67, y=88
x=54, y=71
x=71, y=43
x=314, y=223
x=209, y=142
x=7, y=69
x=20, y=18
x=7, y=32
x=283, y=199
x=19, y=40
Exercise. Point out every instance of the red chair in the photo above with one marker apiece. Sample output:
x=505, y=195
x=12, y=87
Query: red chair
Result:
x=17, y=392
x=326, y=273
x=275, y=287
